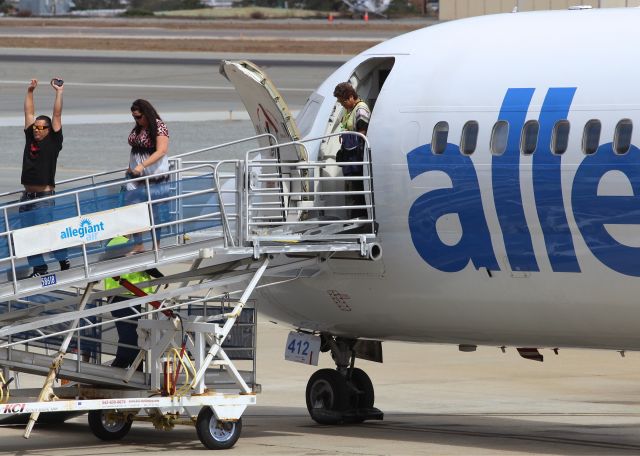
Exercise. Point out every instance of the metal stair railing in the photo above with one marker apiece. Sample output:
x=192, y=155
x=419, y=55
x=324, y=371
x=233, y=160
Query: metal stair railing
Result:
x=166, y=297
x=95, y=178
x=257, y=212
x=105, y=375
x=82, y=206
x=188, y=158
x=263, y=209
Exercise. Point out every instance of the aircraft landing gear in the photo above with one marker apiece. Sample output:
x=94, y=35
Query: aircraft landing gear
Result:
x=343, y=395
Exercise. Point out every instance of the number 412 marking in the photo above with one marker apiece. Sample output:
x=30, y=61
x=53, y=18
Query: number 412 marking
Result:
x=299, y=347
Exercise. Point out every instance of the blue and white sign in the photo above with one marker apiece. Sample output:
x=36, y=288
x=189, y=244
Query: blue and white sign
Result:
x=81, y=230
x=302, y=348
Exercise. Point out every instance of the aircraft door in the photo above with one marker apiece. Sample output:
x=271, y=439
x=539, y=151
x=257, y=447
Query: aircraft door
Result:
x=269, y=114
x=368, y=79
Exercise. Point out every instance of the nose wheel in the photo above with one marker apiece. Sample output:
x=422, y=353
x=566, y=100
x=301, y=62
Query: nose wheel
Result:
x=362, y=388
x=327, y=395
x=333, y=399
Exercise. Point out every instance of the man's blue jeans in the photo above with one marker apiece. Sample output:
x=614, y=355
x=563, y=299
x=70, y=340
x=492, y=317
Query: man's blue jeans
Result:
x=37, y=213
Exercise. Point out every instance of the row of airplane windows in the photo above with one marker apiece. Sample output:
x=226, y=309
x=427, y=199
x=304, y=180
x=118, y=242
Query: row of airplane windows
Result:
x=529, y=137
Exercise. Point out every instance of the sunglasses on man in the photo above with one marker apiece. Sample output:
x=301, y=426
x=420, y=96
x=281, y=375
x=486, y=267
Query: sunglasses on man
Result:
x=40, y=127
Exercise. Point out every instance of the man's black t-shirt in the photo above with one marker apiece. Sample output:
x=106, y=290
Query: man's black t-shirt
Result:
x=40, y=158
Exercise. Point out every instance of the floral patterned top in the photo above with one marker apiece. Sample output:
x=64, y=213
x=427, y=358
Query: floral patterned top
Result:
x=142, y=140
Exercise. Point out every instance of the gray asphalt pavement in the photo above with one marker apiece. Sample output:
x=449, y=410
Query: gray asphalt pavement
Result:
x=437, y=401
x=200, y=106
x=101, y=147
x=129, y=32
x=107, y=84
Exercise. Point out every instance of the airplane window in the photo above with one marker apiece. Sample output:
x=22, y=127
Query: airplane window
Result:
x=560, y=137
x=529, y=137
x=591, y=136
x=469, y=139
x=499, y=137
x=440, y=136
x=622, y=136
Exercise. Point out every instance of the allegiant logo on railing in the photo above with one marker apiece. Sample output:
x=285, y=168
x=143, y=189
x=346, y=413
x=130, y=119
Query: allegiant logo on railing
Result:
x=87, y=230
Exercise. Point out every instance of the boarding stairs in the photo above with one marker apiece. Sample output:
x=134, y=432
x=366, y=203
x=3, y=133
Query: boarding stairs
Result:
x=218, y=229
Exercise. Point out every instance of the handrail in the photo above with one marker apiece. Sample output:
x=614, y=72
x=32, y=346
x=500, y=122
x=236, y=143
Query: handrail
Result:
x=73, y=179
x=300, y=142
x=276, y=178
x=220, y=146
x=216, y=178
x=155, y=201
x=208, y=169
x=121, y=170
x=273, y=200
x=108, y=184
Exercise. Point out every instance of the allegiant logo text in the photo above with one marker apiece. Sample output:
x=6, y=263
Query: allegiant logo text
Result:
x=86, y=231
x=592, y=211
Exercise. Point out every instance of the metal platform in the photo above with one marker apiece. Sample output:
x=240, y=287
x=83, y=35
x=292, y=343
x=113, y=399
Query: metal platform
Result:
x=217, y=228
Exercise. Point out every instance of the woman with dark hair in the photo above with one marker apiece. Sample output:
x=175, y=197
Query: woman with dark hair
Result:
x=149, y=141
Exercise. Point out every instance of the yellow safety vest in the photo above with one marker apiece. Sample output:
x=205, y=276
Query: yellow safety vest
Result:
x=348, y=122
x=133, y=277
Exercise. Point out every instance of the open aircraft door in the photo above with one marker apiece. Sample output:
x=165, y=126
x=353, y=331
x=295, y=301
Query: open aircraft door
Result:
x=270, y=114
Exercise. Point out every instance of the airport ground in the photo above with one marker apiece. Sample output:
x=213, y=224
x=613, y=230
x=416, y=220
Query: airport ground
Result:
x=436, y=400
x=341, y=37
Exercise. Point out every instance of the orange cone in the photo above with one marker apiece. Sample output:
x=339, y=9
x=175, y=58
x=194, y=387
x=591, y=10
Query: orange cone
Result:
x=330, y=17
x=366, y=16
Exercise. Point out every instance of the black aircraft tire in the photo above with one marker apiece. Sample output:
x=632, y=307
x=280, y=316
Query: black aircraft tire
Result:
x=362, y=382
x=326, y=390
x=215, y=434
x=106, y=429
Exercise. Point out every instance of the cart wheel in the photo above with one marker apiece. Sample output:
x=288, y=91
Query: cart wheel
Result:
x=214, y=433
x=107, y=425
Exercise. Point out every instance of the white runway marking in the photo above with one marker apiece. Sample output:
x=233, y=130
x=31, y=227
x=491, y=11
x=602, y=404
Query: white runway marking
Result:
x=91, y=119
x=153, y=86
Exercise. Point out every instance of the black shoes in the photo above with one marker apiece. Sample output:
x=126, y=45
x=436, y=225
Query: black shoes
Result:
x=39, y=271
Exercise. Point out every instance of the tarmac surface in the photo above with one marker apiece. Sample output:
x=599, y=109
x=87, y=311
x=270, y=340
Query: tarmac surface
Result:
x=436, y=400
x=294, y=36
x=199, y=105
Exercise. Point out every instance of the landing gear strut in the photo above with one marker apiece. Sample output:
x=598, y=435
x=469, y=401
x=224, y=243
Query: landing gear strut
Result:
x=343, y=395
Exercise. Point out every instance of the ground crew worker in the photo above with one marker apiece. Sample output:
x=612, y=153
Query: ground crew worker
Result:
x=127, y=333
x=355, y=118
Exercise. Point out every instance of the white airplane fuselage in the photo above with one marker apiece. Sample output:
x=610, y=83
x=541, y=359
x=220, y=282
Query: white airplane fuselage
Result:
x=539, y=250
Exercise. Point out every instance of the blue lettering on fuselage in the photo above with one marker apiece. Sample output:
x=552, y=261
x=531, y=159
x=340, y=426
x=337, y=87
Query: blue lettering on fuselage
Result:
x=547, y=184
x=505, y=175
x=463, y=199
x=591, y=212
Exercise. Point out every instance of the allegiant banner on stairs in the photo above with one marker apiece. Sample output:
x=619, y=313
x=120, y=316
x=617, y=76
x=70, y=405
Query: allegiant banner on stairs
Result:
x=75, y=231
